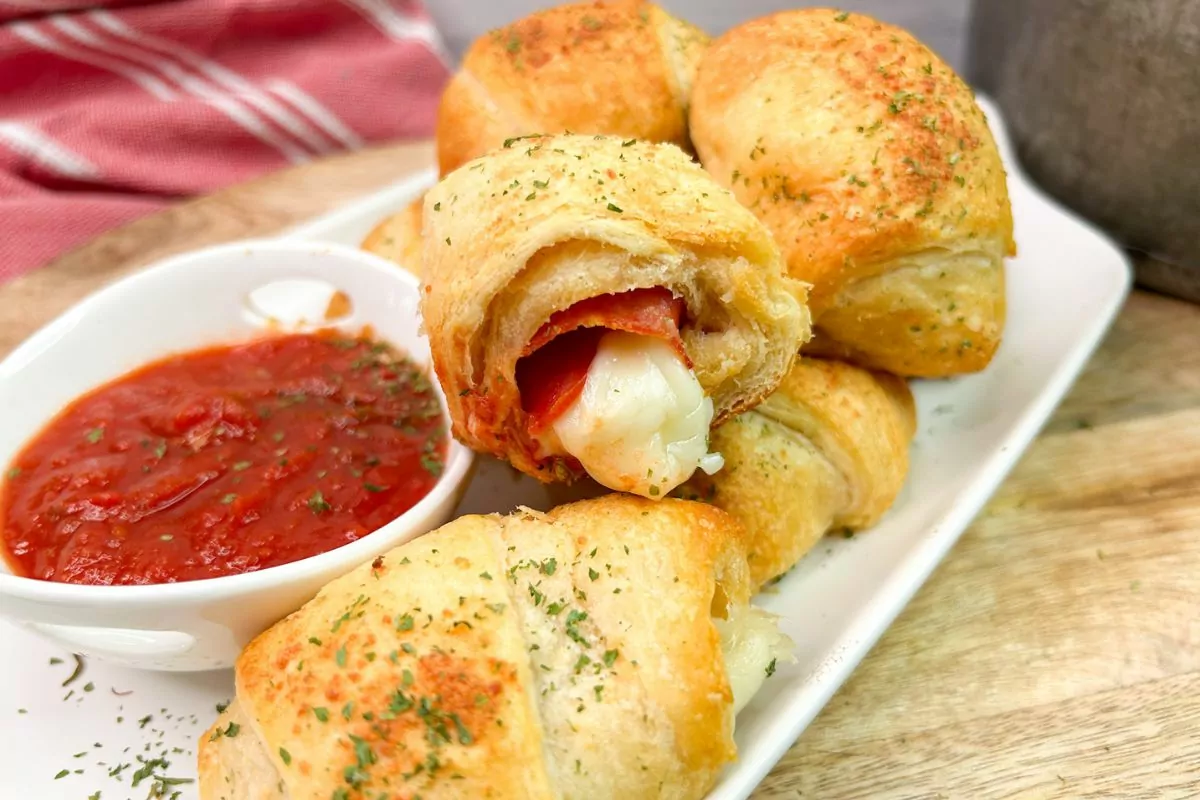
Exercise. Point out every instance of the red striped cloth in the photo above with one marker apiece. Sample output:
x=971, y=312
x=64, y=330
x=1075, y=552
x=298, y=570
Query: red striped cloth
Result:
x=110, y=110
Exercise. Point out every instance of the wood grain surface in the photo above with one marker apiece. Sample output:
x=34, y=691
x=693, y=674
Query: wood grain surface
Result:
x=1056, y=651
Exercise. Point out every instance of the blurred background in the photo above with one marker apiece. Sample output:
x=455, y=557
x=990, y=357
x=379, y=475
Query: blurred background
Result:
x=113, y=109
x=941, y=24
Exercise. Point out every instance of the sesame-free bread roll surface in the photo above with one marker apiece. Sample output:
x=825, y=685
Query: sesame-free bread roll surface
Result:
x=622, y=68
x=618, y=68
x=398, y=237
x=547, y=222
x=828, y=450
x=871, y=163
x=572, y=654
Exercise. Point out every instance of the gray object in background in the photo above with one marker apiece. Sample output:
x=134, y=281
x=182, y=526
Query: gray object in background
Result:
x=1102, y=98
x=941, y=24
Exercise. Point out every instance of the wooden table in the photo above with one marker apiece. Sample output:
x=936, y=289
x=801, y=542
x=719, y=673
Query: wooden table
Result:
x=1056, y=652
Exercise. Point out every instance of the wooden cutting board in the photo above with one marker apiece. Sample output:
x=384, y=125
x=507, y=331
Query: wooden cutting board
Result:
x=1055, y=653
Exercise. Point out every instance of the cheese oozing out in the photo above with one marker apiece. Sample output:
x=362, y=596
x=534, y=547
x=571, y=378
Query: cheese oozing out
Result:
x=641, y=423
x=752, y=645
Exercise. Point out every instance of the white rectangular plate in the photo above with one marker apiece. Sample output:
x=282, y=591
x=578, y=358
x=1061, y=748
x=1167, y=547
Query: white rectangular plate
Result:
x=1063, y=289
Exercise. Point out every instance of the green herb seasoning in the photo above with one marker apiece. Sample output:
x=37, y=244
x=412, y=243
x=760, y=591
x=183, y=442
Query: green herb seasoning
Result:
x=317, y=503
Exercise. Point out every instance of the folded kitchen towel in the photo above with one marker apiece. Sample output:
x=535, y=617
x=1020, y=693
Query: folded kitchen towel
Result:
x=110, y=110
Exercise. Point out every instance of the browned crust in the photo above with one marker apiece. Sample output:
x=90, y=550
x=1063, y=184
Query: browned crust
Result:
x=618, y=68
x=398, y=237
x=860, y=149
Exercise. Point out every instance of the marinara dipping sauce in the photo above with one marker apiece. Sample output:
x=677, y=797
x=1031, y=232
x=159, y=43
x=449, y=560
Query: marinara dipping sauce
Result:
x=222, y=461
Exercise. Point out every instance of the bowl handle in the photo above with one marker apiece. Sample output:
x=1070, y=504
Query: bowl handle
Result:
x=118, y=643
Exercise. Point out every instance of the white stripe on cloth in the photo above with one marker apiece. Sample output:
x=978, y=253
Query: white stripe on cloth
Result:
x=197, y=88
x=399, y=27
x=221, y=76
x=317, y=112
x=151, y=84
x=27, y=141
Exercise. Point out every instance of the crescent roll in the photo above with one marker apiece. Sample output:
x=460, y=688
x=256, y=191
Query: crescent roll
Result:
x=621, y=68
x=597, y=304
x=398, y=237
x=597, y=651
x=618, y=68
x=828, y=450
x=871, y=163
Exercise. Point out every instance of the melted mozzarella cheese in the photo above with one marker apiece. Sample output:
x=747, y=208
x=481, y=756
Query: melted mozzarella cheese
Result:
x=752, y=645
x=641, y=424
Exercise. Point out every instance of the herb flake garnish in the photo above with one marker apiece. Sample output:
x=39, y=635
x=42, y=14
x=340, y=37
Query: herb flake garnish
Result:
x=573, y=620
x=76, y=672
x=508, y=143
x=229, y=732
x=430, y=460
x=317, y=503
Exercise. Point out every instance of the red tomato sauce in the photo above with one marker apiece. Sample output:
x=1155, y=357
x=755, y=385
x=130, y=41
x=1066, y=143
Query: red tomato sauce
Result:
x=223, y=461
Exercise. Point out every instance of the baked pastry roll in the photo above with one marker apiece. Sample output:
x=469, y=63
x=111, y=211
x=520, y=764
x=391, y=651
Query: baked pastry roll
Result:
x=618, y=68
x=398, y=237
x=874, y=168
x=828, y=450
x=622, y=68
x=597, y=651
x=596, y=304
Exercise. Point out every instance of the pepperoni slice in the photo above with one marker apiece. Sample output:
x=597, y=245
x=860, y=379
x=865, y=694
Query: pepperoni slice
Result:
x=553, y=370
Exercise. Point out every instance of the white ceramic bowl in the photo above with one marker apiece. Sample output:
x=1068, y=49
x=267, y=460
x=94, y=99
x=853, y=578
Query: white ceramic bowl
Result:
x=216, y=295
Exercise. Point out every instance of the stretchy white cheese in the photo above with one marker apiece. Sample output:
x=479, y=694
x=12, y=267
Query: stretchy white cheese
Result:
x=641, y=424
x=752, y=645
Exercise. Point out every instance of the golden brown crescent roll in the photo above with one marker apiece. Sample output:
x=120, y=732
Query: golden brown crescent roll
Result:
x=597, y=651
x=398, y=237
x=828, y=450
x=595, y=304
x=871, y=163
x=621, y=68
